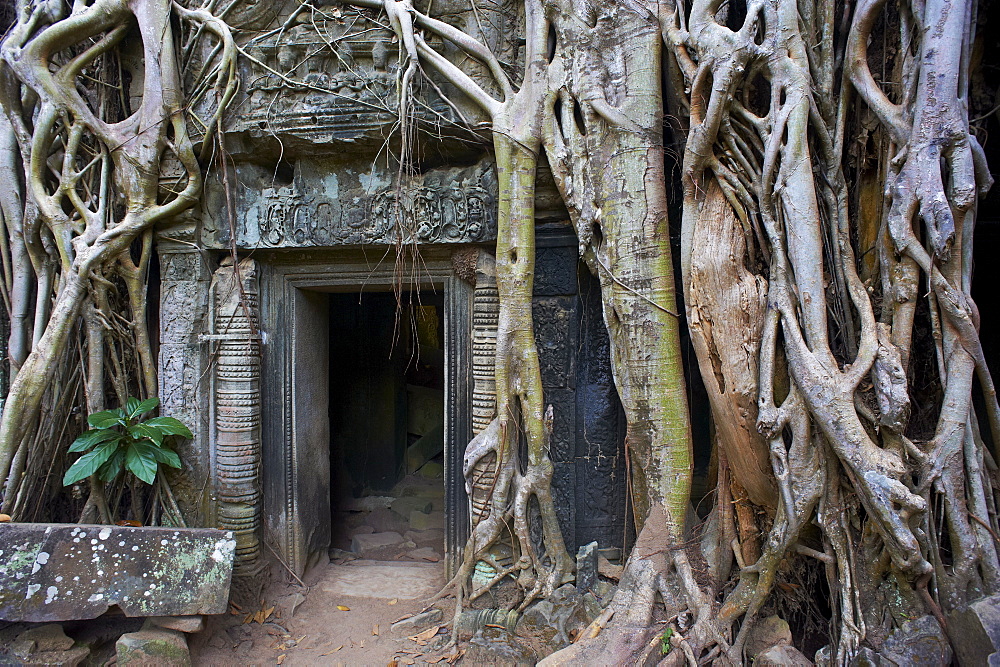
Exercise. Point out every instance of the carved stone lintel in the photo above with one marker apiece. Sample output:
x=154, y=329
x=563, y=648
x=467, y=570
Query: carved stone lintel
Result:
x=236, y=405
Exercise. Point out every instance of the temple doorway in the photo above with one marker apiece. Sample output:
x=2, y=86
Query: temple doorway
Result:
x=387, y=425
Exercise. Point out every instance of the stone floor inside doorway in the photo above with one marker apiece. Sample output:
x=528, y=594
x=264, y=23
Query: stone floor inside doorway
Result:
x=368, y=606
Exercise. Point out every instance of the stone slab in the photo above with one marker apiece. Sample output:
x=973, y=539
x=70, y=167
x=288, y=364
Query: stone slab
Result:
x=62, y=572
x=387, y=580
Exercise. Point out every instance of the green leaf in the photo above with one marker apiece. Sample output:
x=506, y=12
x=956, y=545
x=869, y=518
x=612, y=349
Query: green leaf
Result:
x=104, y=419
x=169, y=426
x=142, y=431
x=167, y=457
x=135, y=408
x=87, y=465
x=140, y=461
x=113, y=467
x=91, y=438
x=665, y=645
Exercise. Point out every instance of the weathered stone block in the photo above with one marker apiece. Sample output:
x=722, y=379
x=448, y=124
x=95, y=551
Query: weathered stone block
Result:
x=421, y=521
x=58, y=572
x=433, y=538
x=918, y=643
x=414, y=624
x=586, y=567
x=46, y=638
x=377, y=546
x=163, y=648
x=767, y=632
x=185, y=624
x=979, y=627
x=404, y=506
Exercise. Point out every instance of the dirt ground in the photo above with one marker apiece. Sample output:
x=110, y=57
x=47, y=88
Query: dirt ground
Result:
x=342, y=617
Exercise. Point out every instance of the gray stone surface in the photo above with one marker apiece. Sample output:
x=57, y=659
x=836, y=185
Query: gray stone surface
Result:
x=979, y=627
x=767, y=632
x=424, y=553
x=586, y=567
x=58, y=572
x=373, y=579
x=163, y=648
x=414, y=624
x=782, y=656
x=377, y=546
x=496, y=646
x=919, y=643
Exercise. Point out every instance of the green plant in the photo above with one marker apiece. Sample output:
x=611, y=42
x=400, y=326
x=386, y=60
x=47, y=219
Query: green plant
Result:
x=119, y=440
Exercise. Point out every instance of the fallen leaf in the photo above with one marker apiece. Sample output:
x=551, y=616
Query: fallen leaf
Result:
x=248, y=619
x=428, y=633
x=403, y=618
x=436, y=660
x=375, y=630
x=393, y=601
x=281, y=658
x=362, y=644
x=392, y=663
x=333, y=651
x=343, y=608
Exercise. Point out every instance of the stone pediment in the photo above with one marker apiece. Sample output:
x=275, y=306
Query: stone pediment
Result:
x=317, y=78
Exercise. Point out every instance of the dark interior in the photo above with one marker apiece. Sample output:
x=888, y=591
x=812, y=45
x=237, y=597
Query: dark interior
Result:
x=386, y=391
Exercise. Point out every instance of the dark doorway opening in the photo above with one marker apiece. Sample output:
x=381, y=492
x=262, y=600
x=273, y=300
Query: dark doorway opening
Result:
x=386, y=411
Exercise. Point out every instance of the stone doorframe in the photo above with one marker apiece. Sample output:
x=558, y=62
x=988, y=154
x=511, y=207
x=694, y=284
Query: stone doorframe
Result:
x=295, y=467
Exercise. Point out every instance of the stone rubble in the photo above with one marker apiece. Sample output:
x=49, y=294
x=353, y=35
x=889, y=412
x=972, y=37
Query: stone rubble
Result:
x=408, y=524
x=47, y=645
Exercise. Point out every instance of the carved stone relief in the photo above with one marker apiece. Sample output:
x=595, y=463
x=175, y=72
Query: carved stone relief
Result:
x=184, y=307
x=346, y=208
x=237, y=407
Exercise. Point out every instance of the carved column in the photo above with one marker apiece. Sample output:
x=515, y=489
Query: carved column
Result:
x=237, y=408
x=485, y=313
x=183, y=380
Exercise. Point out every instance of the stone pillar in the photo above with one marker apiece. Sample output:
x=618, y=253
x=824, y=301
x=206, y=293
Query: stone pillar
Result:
x=485, y=313
x=236, y=407
x=183, y=384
